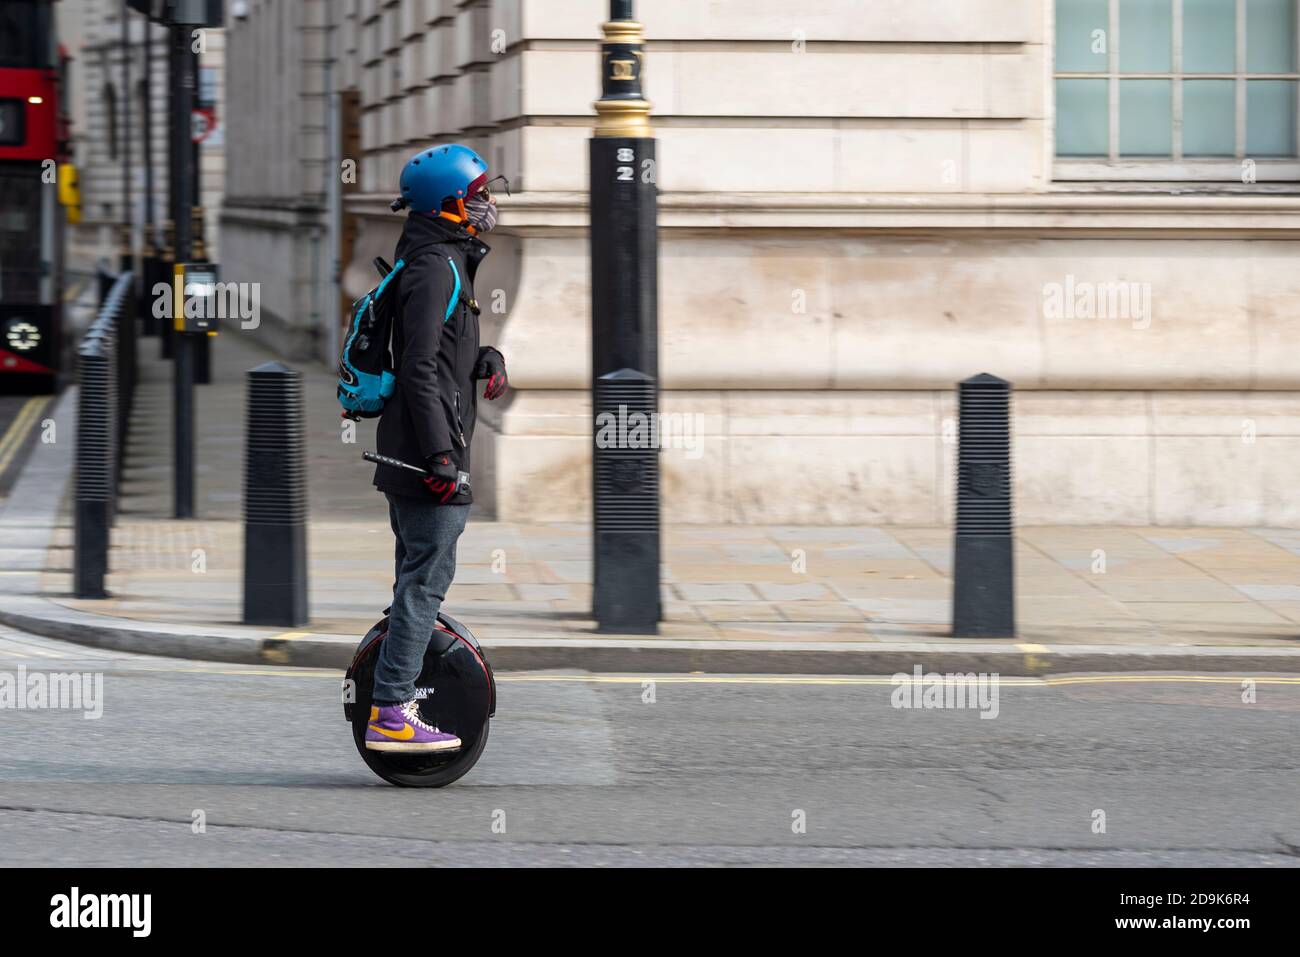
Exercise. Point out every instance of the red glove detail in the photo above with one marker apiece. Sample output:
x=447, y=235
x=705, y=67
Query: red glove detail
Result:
x=443, y=479
x=492, y=366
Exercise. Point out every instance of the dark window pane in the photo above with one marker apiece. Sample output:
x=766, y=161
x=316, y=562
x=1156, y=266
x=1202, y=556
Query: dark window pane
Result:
x=20, y=232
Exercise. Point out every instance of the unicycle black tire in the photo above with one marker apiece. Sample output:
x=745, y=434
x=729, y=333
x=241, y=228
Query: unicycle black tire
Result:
x=457, y=693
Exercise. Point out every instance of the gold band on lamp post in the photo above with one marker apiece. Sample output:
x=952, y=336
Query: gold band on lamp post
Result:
x=622, y=110
x=623, y=118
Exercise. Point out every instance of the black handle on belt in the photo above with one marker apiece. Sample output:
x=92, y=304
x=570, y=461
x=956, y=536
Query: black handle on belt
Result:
x=462, y=478
x=395, y=463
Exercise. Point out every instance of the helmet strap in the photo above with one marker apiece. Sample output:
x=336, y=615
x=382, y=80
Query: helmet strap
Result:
x=463, y=217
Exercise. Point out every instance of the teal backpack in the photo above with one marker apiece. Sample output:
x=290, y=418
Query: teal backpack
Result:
x=366, y=375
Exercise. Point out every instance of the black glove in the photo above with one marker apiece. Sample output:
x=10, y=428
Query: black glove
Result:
x=443, y=479
x=491, y=365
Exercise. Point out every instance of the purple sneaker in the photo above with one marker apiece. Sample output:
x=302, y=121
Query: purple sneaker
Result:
x=399, y=727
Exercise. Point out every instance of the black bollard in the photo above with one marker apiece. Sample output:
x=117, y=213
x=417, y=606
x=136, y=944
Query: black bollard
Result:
x=275, y=500
x=105, y=378
x=96, y=463
x=983, y=563
x=625, y=467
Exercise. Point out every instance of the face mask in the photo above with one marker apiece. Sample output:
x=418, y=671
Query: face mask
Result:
x=482, y=215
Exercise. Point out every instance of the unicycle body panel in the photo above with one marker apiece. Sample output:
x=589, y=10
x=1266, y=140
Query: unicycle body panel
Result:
x=456, y=691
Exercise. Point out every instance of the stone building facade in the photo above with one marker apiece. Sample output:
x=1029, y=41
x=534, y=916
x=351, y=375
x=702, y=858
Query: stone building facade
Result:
x=105, y=125
x=860, y=205
x=276, y=217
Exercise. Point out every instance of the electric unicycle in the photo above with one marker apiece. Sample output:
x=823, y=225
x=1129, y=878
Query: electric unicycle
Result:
x=456, y=691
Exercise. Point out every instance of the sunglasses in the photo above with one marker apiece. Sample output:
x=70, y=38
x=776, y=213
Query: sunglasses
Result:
x=486, y=191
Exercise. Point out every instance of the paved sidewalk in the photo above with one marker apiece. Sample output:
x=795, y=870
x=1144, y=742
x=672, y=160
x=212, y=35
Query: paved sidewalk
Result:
x=1160, y=586
x=792, y=587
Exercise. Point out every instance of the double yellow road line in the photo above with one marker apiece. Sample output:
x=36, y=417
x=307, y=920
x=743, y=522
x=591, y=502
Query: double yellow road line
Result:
x=28, y=415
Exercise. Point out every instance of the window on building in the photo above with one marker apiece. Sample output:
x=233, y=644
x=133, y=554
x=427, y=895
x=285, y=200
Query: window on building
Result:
x=24, y=34
x=1190, y=88
x=207, y=92
x=110, y=115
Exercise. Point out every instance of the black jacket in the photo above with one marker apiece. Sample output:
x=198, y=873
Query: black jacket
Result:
x=434, y=406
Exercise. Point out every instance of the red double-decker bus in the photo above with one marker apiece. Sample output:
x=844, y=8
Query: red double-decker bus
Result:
x=33, y=146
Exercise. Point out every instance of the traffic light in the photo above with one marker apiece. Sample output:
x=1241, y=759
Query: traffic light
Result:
x=70, y=192
x=196, y=297
x=190, y=13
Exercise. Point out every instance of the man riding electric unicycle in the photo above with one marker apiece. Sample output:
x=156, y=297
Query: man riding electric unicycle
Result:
x=423, y=690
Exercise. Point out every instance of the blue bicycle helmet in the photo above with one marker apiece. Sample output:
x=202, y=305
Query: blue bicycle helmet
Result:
x=439, y=173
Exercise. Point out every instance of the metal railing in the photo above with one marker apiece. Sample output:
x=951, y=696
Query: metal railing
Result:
x=106, y=379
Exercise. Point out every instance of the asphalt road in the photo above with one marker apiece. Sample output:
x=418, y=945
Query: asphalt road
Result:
x=581, y=770
x=20, y=419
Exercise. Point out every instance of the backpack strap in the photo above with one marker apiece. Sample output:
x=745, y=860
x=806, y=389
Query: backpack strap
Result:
x=457, y=290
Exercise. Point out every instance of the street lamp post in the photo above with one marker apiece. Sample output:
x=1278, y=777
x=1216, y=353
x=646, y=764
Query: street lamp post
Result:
x=183, y=347
x=181, y=18
x=151, y=239
x=198, y=240
x=624, y=338
x=151, y=249
x=127, y=254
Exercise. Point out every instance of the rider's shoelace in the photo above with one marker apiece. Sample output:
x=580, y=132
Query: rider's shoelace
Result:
x=411, y=711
